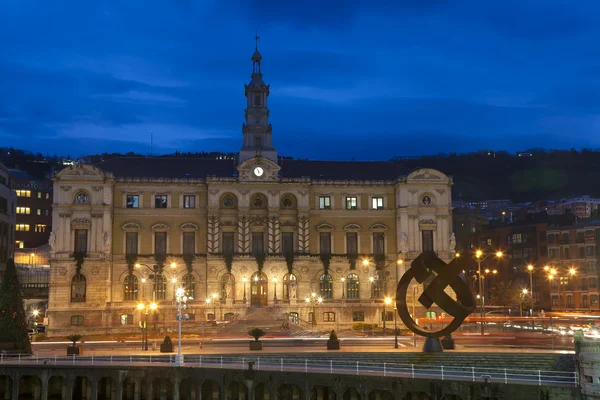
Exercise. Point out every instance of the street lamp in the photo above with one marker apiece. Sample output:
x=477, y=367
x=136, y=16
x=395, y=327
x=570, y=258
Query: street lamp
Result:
x=275, y=289
x=144, y=324
x=343, y=291
x=181, y=298
x=386, y=302
x=479, y=256
x=313, y=300
x=244, y=280
x=214, y=301
x=524, y=291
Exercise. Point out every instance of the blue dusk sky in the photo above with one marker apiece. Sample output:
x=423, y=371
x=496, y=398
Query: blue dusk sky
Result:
x=354, y=78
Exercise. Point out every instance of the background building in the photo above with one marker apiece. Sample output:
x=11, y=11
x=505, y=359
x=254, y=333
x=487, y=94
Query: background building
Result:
x=7, y=216
x=256, y=238
x=34, y=210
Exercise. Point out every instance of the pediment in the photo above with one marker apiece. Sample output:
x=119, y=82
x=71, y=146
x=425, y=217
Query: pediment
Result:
x=427, y=175
x=247, y=170
x=379, y=227
x=161, y=226
x=189, y=226
x=352, y=227
x=131, y=226
x=81, y=222
x=82, y=171
x=325, y=227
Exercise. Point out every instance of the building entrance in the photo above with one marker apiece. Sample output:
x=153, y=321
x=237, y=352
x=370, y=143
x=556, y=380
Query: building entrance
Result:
x=259, y=286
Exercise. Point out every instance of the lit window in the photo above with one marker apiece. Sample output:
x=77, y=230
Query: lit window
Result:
x=23, y=210
x=127, y=319
x=20, y=244
x=40, y=228
x=23, y=193
x=189, y=201
x=133, y=201
x=377, y=203
x=351, y=203
x=325, y=203
x=47, y=196
x=329, y=316
x=22, y=227
x=39, y=211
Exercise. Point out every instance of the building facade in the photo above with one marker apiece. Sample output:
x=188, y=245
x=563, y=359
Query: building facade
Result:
x=34, y=210
x=7, y=216
x=573, y=254
x=581, y=207
x=260, y=232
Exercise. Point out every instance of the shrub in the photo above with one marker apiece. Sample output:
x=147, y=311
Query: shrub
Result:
x=256, y=333
x=333, y=336
x=74, y=338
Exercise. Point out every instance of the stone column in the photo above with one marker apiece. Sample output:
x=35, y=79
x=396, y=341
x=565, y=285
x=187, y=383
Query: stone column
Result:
x=94, y=388
x=119, y=390
x=44, y=393
x=68, y=387
x=175, y=389
x=149, y=393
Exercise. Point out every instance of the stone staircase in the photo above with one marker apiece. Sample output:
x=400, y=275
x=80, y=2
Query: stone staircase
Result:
x=269, y=319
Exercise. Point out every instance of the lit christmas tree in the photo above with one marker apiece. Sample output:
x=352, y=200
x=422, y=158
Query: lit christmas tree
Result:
x=13, y=321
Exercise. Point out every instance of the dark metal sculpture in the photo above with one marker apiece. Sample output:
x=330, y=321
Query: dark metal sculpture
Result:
x=428, y=267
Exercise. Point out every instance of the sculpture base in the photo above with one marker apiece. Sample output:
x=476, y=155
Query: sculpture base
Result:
x=432, y=345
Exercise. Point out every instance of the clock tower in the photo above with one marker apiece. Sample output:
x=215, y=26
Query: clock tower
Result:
x=257, y=129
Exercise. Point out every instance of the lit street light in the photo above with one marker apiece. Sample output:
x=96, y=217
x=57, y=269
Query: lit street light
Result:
x=314, y=301
x=479, y=256
x=386, y=302
x=181, y=298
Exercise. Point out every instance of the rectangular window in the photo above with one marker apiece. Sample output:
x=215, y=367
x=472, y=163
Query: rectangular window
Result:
x=81, y=236
x=377, y=203
x=593, y=282
x=133, y=201
x=566, y=253
x=351, y=203
x=594, y=299
x=189, y=201
x=378, y=243
x=39, y=211
x=228, y=244
x=565, y=237
x=287, y=242
x=552, y=253
x=46, y=212
x=127, y=319
x=258, y=242
x=131, y=243
x=77, y=320
x=189, y=243
x=590, y=251
x=591, y=266
x=351, y=243
x=160, y=243
x=311, y=317
x=329, y=316
x=47, y=196
x=160, y=201
x=23, y=210
x=23, y=193
x=554, y=300
x=39, y=195
x=551, y=238
x=358, y=316
x=325, y=242
x=40, y=228
x=325, y=203
x=580, y=237
x=585, y=301
x=22, y=227
x=517, y=238
x=542, y=236
x=387, y=316
x=427, y=238
x=582, y=252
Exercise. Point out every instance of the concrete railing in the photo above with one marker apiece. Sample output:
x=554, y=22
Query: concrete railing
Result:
x=345, y=367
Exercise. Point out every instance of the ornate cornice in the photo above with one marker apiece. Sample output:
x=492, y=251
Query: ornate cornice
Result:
x=379, y=227
x=132, y=225
x=161, y=226
x=352, y=227
x=325, y=227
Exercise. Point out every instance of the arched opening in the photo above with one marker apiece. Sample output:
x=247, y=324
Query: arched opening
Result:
x=30, y=387
x=290, y=285
x=259, y=286
x=416, y=396
x=228, y=287
x=261, y=391
x=6, y=386
x=228, y=200
x=229, y=316
x=326, y=286
x=162, y=388
x=82, y=388
x=258, y=201
x=160, y=287
x=188, y=390
x=289, y=392
x=57, y=389
x=294, y=317
x=107, y=389
x=236, y=391
x=130, y=288
x=351, y=394
x=210, y=390
x=376, y=285
x=134, y=388
x=322, y=393
x=380, y=395
x=352, y=287
x=189, y=284
x=78, y=288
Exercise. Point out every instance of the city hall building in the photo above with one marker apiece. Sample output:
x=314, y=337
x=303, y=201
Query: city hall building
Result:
x=259, y=237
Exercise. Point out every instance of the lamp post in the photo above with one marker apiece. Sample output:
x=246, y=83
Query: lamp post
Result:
x=415, y=287
x=275, y=289
x=144, y=324
x=244, y=280
x=313, y=300
x=181, y=298
x=214, y=301
x=386, y=302
x=31, y=261
x=524, y=293
x=479, y=256
x=343, y=280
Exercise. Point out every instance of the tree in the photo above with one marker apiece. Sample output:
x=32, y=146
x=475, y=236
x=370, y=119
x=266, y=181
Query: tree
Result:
x=13, y=321
x=505, y=294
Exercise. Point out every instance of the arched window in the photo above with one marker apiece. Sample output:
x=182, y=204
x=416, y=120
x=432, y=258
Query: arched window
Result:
x=326, y=286
x=189, y=284
x=77, y=320
x=160, y=287
x=352, y=287
x=228, y=287
x=78, y=286
x=376, y=285
x=130, y=287
x=290, y=286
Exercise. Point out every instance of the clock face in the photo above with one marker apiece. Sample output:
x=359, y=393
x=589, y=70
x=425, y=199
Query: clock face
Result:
x=258, y=171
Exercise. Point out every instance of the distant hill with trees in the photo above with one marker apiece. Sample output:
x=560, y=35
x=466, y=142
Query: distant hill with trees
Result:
x=531, y=175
